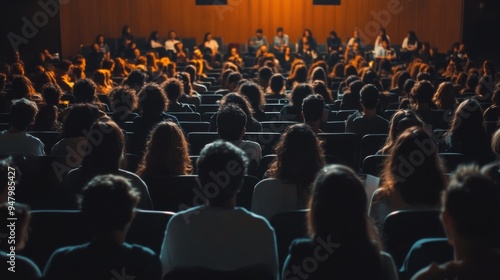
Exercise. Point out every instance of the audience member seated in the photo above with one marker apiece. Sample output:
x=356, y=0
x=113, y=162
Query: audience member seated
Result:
x=281, y=40
x=263, y=77
x=135, y=80
x=193, y=75
x=492, y=114
x=77, y=124
x=15, y=140
x=127, y=41
x=21, y=87
x=237, y=237
x=241, y=101
x=292, y=111
x=290, y=175
x=471, y=218
x=467, y=134
x=155, y=44
x=234, y=57
x=84, y=91
x=342, y=240
x=255, y=98
x=170, y=43
x=166, y=154
x=320, y=88
x=108, y=203
x=254, y=43
x=351, y=97
x=368, y=122
x=123, y=103
x=174, y=89
x=106, y=152
x=15, y=266
x=313, y=112
x=152, y=104
x=401, y=121
x=46, y=119
x=62, y=76
x=190, y=96
x=421, y=98
x=444, y=98
x=298, y=75
x=231, y=121
x=103, y=47
x=211, y=50
x=277, y=87
x=407, y=183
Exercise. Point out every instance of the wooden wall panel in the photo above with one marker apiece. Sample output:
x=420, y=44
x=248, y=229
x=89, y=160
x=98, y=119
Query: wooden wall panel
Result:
x=436, y=21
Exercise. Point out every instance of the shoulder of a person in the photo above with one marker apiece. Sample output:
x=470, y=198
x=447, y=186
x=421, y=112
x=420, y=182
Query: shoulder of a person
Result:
x=301, y=246
x=139, y=249
x=433, y=271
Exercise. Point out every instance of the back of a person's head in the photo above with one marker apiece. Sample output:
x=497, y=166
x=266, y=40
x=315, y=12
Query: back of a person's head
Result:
x=22, y=114
x=221, y=169
x=424, y=76
x=300, y=73
x=370, y=77
x=318, y=74
x=277, y=83
x=234, y=78
x=472, y=80
x=240, y=100
x=423, y=92
x=414, y=169
x=401, y=121
x=123, y=99
x=84, y=91
x=402, y=78
x=495, y=98
x=408, y=86
x=152, y=99
x=338, y=206
x=253, y=94
x=472, y=200
x=231, y=121
x=174, y=89
x=108, y=203
x=299, y=92
x=468, y=119
x=107, y=143
x=80, y=119
x=18, y=233
x=167, y=152
x=265, y=73
x=135, y=79
x=99, y=77
x=485, y=86
x=191, y=70
x=64, y=65
x=299, y=156
x=313, y=107
x=108, y=64
x=52, y=93
x=21, y=87
x=369, y=96
x=350, y=70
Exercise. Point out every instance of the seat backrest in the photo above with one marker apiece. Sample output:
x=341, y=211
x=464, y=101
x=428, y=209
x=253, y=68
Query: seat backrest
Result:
x=245, y=195
x=373, y=165
x=202, y=273
x=198, y=140
x=174, y=193
x=276, y=126
x=189, y=127
x=186, y=116
x=424, y=252
x=51, y=230
x=203, y=108
x=403, y=228
x=264, y=165
x=48, y=138
x=267, y=140
x=210, y=98
x=288, y=226
x=452, y=160
x=371, y=144
x=333, y=126
x=343, y=146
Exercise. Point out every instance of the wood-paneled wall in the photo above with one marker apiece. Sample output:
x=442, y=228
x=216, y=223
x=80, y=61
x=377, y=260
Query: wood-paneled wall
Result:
x=436, y=21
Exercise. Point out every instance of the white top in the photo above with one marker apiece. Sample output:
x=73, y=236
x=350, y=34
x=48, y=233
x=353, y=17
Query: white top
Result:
x=406, y=46
x=251, y=149
x=75, y=184
x=272, y=196
x=219, y=239
x=378, y=42
x=155, y=44
x=20, y=144
x=170, y=45
x=212, y=44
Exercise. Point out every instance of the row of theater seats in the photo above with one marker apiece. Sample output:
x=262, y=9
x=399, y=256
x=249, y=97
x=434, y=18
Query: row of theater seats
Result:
x=413, y=238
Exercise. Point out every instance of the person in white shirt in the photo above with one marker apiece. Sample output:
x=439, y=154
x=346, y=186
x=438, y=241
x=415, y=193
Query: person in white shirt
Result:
x=218, y=235
x=170, y=43
x=231, y=122
x=381, y=37
x=213, y=57
x=15, y=140
x=355, y=39
x=385, y=51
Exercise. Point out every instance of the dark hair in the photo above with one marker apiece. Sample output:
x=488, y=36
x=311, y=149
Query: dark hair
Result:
x=84, y=91
x=413, y=168
x=123, y=100
x=472, y=80
x=125, y=30
x=107, y=64
x=299, y=92
x=234, y=78
x=167, y=152
x=239, y=100
x=408, y=86
x=412, y=37
x=108, y=203
x=259, y=30
x=80, y=119
x=369, y=96
x=485, y=87
x=401, y=121
x=135, y=79
x=152, y=99
x=423, y=92
x=205, y=37
x=52, y=93
x=277, y=83
x=265, y=74
x=22, y=114
x=191, y=70
x=216, y=158
x=253, y=94
x=21, y=87
x=299, y=157
x=231, y=121
x=106, y=155
x=444, y=98
x=174, y=89
x=279, y=29
x=320, y=88
x=312, y=107
x=473, y=202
